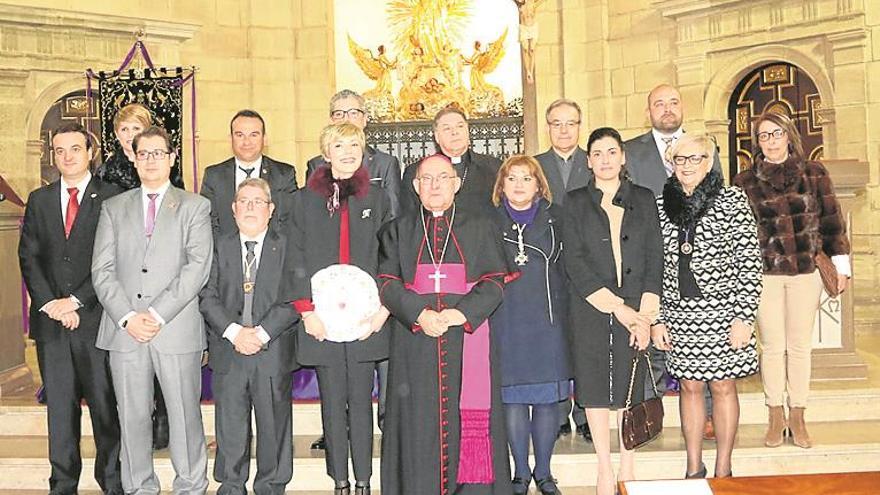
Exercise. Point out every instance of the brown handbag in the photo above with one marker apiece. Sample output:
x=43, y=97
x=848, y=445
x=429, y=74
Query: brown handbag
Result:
x=828, y=272
x=644, y=421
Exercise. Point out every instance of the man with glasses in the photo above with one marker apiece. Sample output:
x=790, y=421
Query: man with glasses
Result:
x=251, y=339
x=442, y=270
x=152, y=256
x=55, y=252
x=649, y=163
x=384, y=169
x=475, y=170
x=248, y=132
x=565, y=166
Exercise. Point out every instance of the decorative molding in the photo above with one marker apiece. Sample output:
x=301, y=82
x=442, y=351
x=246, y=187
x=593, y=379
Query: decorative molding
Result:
x=70, y=21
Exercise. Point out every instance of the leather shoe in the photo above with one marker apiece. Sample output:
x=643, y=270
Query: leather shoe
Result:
x=564, y=430
x=319, y=444
x=342, y=488
x=361, y=489
x=547, y=486
x=160, y=431
x=584, y=431
x=521, y=485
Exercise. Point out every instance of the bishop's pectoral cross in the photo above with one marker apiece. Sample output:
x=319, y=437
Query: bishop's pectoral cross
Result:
x=436, y=278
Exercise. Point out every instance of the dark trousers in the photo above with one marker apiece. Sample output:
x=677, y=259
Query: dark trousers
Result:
x=347, y=416
x=382, y=381
x=578, y=413
x=72, y=370
x=236, y=392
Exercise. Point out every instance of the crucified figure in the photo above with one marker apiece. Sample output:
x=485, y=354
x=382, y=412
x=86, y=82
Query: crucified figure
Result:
x=528, y=33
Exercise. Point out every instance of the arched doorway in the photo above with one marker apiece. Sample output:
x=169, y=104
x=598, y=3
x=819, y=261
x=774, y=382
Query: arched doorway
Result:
x=72, y=107
x=776, y=87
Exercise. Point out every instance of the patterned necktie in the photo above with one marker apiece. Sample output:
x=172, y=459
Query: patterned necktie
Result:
x=72, y=210
x=151, y=214
x=247, y=312
x=247, y=171
x=667, y=155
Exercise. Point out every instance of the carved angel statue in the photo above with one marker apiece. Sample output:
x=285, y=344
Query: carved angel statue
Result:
x=377, y=68
x=483, y=62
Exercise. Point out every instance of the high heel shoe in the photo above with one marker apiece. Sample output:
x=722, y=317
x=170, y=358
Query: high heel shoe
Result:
x=361, y=488
x=342, y=488
x=699, y=474
x=776, y=427
x=521, y=485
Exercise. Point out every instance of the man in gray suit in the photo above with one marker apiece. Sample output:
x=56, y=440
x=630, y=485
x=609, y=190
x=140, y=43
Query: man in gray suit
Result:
x=151, y=258
x=251, y=339
x=565, y=166
x=648, y=156
x=649, y=163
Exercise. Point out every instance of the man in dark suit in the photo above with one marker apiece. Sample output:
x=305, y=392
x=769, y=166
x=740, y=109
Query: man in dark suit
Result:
x=649, y=163
x=565, y=166
x=251, y=343
x=648, y=156
x=248, y=132
x=55, y=252
x=477, y=171
x=348, y=106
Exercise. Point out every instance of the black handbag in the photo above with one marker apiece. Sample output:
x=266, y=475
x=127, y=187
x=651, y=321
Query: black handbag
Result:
x=644, y=421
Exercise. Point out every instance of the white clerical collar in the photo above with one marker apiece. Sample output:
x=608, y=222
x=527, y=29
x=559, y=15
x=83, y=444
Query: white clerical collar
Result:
x=254, y=164
x=257, y=238
x=81, y=185
x=675, y=135
x=159, y=190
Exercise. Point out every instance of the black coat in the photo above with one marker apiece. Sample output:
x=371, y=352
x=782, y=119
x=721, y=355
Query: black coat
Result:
x=589, y=262
x=529, y=326
x=218, y=185
x=478, y=172
x=54, y=267
x=313, y=238
x=384, y=172
x=222, y=299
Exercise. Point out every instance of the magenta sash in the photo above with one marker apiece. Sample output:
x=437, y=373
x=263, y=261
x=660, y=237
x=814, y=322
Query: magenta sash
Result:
x=475, y=452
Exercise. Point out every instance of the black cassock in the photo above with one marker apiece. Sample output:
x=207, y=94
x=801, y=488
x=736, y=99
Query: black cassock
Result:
x=421, y=439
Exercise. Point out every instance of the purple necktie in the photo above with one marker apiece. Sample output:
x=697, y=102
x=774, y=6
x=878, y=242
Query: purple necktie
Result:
x=151, y=214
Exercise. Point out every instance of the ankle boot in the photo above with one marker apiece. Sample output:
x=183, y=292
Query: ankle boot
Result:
x=798, y=427
x=776, y=427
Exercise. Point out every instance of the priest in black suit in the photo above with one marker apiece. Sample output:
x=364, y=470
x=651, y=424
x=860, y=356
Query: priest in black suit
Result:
x=220, y=181
x=476, y=171
x=55, y=252
x=251, y=343
x=384, y=169
x=442, y=271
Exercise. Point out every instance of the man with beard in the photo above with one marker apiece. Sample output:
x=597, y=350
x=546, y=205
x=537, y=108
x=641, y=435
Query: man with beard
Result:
x=442, y=271
x=648, y=157
x=476, y=171
x=649, y=163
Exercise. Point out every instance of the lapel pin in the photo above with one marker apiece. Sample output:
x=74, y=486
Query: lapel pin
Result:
x=94, y=195
x=365, y=213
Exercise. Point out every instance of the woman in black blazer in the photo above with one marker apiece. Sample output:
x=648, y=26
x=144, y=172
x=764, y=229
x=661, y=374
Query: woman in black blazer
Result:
x=614, y=260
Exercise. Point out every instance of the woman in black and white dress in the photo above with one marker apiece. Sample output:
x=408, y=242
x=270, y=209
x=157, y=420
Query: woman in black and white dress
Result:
x=711, y=289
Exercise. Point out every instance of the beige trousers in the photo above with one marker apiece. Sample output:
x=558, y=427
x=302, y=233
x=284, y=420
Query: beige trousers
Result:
x=785, y=328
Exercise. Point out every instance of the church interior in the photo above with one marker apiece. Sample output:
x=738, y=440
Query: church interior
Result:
x=816, y=60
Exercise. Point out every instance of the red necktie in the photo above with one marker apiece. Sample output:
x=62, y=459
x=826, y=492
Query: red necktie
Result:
x=72, y=209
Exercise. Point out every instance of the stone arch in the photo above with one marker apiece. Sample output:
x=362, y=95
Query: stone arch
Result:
x=731, y=71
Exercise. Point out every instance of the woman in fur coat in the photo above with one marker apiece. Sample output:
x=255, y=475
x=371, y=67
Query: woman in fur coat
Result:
x=798, y=217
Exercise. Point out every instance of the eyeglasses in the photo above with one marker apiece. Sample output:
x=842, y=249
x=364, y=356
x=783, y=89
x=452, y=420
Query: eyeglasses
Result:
x=526, y=179
x=558, y=124
x=426, y=180
x=145, y=155
x=693, y=159
x=256, y=203
x=765, y=136
x=352, y=113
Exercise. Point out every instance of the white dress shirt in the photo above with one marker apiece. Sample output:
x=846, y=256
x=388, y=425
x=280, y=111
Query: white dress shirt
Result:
x=661, y=144
x=232, y=330
x=240, y=176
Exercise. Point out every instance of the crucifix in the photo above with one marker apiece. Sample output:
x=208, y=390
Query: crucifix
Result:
x=528, y=39
x=436, y=276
